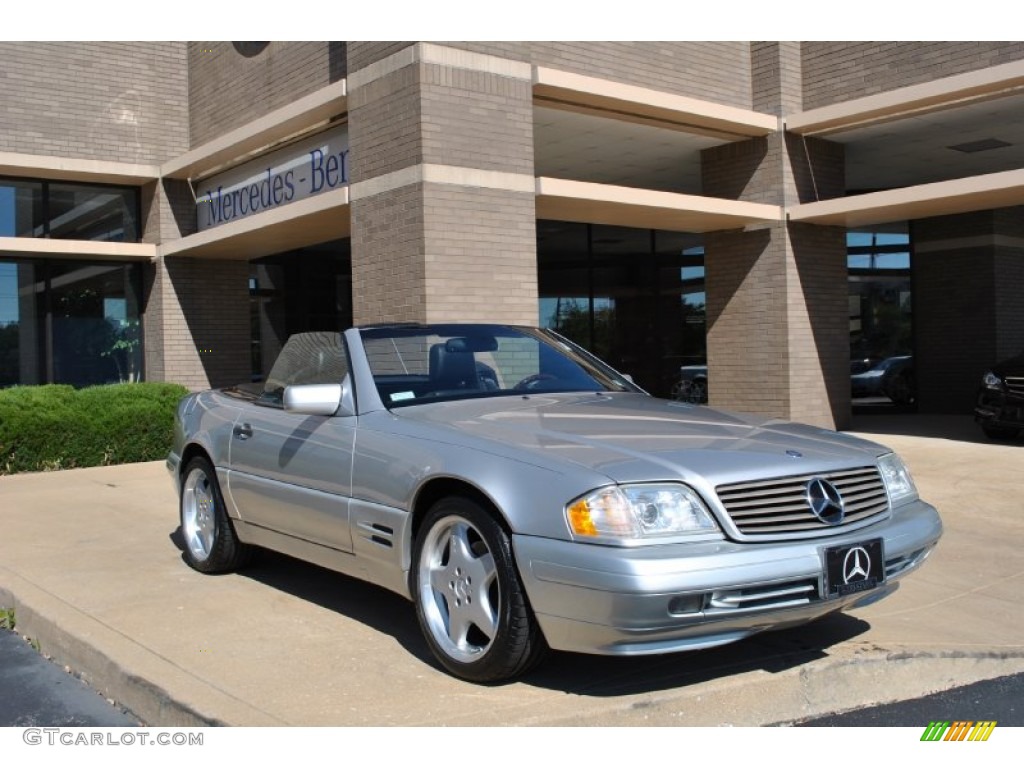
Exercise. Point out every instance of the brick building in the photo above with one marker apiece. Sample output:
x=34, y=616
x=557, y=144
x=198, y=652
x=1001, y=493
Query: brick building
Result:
x=774, y=210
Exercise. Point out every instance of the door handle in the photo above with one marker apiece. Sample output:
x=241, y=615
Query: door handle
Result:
x=242, y=431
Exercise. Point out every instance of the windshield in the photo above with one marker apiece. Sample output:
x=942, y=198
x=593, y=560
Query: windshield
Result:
x=420, y=364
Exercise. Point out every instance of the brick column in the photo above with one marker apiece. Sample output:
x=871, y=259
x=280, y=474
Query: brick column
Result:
x=195, y=311
x=443, y=217
x=778, y=318
x=968, y=273
x=200, y=310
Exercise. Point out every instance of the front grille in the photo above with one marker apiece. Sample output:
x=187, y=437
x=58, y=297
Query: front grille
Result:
x=1015, y=384
x=779, y=506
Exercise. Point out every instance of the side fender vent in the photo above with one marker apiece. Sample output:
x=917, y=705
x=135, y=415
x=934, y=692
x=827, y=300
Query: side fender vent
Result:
x=377, y=533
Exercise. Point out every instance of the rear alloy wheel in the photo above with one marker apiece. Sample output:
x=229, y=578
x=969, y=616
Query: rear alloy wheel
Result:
x=211, y=545
x=469, y=601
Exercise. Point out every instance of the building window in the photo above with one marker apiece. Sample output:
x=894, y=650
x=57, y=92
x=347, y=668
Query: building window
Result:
x=881, y=316
x=67, y=211
x=634, y=297
x=69, y=322
x=309, y=289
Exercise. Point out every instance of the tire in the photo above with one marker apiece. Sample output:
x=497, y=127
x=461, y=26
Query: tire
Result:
x=900, y=389
x=698, y=391
x=469, y=600
x=999, y=433
x=211, y=545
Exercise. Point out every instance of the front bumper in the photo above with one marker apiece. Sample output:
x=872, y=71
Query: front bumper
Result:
x=999, y=409
x=657, y=599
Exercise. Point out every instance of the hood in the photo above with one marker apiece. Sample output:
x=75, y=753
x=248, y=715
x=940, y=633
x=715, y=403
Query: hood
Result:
x=634, y=437
x=1012, y=367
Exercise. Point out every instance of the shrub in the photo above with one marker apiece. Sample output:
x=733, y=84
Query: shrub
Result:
x=58, y=427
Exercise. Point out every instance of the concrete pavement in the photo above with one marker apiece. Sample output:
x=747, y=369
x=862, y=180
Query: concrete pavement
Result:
x=91, y=561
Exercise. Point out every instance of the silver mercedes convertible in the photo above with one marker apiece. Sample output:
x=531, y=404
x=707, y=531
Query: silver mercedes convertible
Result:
x=525, y=496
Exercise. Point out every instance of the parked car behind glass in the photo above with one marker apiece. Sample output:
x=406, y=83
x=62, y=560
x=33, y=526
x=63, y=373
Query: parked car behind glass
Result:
x=893, y=377
x=1000, y=401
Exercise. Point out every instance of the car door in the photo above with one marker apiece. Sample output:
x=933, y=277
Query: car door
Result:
x=292, y=473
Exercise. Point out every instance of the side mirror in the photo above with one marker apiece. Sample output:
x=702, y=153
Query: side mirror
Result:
x=317, y=400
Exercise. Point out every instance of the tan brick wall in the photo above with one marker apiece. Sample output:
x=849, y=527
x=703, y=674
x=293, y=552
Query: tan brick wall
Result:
x=117, y=101
x=778, y=325
x=778, y=328
x=818, y=324
x=388, y=268
x=776, y=77
x=1009, y=283
x=434, y=250
x=228, y=89
x=714, y=71
x=201, y=309
x=384, y=124
x=476, y=119
x=968, y=303
x=481, y=255
x=743, y=170
x=748, y=346
x=168, y=211
x=363, y=54
x=840, y=71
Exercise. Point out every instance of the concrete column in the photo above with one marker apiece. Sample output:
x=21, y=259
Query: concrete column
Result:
x=968, y=282
x=778, y=317
x=443, y=217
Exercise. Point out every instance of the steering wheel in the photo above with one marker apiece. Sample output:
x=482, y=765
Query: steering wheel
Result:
x=531, y=382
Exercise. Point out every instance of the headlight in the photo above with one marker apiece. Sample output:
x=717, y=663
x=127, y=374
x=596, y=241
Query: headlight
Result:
x=991, y=381
x=897, y=479
x=638, y=512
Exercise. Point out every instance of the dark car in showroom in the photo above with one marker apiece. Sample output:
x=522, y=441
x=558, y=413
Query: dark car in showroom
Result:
x=1000, y=406
x=892, y=377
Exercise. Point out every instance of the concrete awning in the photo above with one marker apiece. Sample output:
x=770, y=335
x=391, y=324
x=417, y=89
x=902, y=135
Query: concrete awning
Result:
x=566, y=200
x=306, y=222
x=567, y=90
x=74, y=169
x=943, y=198
x=46, y=248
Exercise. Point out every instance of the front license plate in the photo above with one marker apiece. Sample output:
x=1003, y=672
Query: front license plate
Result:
x=854, y=568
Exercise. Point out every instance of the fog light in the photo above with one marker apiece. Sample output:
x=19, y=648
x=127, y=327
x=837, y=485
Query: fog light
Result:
x=686, y=604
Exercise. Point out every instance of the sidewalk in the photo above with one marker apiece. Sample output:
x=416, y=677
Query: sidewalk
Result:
x=90, y=560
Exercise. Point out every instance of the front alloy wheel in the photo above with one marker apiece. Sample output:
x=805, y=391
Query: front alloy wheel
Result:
x=469, y=600
x=211, y=545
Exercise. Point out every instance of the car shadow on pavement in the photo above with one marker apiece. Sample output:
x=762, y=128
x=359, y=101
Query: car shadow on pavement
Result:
x=366, y=603
x=582, y=674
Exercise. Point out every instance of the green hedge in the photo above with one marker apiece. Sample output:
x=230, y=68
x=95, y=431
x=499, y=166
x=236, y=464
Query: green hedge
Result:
x=59, y=427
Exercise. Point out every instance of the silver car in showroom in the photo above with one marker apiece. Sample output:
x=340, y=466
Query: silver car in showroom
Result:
x=526, y=496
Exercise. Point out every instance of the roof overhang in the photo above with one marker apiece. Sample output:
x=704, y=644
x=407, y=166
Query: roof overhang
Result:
x=943, y=198
x=566, y=200
x=41, y=247
x=73, y=169
x=566, y=90
x=988, y=83
x=302, y=117
x=306, y=222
